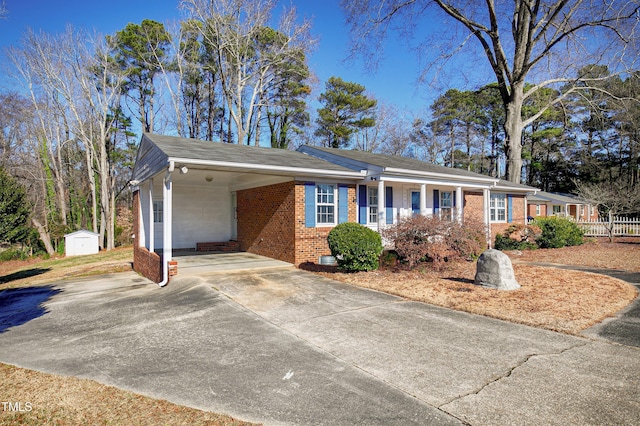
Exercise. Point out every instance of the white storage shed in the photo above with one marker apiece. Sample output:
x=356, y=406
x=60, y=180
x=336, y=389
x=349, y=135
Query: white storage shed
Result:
x=81, y=243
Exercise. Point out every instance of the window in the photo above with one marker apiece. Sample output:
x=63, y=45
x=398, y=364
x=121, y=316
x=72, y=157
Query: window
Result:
x=498, y=208
x=372, y=198
x=557, y=210
x=446, y=204
x=581, y=210
x=537, y=209
x=158, y=211
x=325, y=204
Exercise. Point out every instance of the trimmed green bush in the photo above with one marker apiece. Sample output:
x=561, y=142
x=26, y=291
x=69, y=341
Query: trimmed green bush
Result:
x=558, y=232
x=355, y=247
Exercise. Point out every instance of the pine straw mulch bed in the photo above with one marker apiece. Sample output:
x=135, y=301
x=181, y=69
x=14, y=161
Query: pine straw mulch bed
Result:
x=555, y=299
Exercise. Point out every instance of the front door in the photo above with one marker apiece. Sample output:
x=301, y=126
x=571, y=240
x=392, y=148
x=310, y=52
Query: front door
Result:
x=415, y=202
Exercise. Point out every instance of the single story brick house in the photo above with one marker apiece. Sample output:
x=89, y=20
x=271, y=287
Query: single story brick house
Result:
x=554, y=204
x=201, y=195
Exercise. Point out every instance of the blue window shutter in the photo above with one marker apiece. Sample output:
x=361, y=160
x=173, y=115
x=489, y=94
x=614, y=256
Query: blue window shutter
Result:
x=362, y=204
x=509, y=208
x=388, y=201
x=310, y=204
x=436, y=201
x=343, y=203
x=454, y=195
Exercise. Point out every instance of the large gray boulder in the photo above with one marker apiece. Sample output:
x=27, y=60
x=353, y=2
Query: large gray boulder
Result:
x=494, y=270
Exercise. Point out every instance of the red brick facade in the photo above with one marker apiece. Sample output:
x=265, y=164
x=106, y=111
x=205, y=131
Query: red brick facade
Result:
x=473, y=206
x=145, y=263
x=266, y=218
x=271, y=222
x=311, y=243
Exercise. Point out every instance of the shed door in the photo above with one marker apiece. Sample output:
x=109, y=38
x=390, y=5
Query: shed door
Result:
x=82, y=245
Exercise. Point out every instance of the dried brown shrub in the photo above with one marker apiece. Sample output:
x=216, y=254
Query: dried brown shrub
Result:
x=418, y=238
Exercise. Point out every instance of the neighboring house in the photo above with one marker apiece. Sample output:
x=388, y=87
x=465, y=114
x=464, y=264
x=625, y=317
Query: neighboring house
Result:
x=554, y=204
x=191, y=194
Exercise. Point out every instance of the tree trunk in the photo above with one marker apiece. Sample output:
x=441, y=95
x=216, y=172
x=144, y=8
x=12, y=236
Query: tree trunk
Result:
x=44, y=236
x=513, y=130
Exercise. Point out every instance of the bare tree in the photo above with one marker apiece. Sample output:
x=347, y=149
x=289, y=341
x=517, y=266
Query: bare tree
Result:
x=247, y=52
x=74, y=87
x=523, y=41
x=614, y=198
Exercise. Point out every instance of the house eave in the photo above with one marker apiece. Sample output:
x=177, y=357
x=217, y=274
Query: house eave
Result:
x=447, y=177
x=268, y=169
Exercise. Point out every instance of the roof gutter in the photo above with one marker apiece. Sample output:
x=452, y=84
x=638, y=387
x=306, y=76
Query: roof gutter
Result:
x=267, y=167
x=166, y=224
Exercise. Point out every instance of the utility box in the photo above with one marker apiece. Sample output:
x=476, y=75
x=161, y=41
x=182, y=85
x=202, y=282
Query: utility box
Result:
x=81, y=243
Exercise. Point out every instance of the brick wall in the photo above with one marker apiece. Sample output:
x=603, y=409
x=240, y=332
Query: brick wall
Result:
x=266, y=221
x=473, y=206
x=518, y=217
x=531, y=208
x=145, y=263
x=271, y=222
x=311, y=243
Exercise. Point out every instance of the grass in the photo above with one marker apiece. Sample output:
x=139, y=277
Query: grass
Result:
x=555, y=299
x=20, y=273
x=62, y=400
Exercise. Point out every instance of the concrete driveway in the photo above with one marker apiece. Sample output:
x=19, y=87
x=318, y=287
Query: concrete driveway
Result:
x=282, y=346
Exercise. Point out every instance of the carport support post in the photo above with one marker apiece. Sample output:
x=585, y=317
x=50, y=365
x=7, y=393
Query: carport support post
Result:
x=166, y=224
x=151, y=222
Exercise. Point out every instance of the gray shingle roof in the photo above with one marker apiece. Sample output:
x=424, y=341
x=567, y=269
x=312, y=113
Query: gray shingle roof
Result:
x=410, y=164
x=557, y=198
x=176, y=147
x=396, y=162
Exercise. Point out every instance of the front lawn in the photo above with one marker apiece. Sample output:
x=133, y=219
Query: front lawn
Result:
x=555, y=299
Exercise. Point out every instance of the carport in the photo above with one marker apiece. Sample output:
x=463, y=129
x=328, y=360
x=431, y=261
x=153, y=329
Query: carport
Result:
x=192, y=263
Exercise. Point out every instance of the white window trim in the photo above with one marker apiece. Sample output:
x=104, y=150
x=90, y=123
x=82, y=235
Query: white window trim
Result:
x=538, y=210
x=158, y=210
x=370, y=206
x=334, y=204
x=495, y=209
x=442, y=209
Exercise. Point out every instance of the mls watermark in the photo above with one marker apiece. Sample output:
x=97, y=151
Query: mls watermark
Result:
x=16, y=407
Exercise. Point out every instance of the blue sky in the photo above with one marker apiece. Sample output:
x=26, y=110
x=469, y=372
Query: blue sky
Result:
x=393, y=83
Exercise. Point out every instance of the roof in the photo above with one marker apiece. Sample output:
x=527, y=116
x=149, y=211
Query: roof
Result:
x=394, y=164
x=156, y=151
x=81, y=232
x=557, y=198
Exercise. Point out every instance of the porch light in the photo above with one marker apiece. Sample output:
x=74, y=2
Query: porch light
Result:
x=184, y=170
x=209, y=178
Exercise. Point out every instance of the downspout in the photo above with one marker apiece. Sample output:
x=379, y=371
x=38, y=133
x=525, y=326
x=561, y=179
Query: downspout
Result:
x=166, y=223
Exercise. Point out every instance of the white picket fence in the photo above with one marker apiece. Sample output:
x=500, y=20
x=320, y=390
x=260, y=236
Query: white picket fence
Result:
x=622, y=227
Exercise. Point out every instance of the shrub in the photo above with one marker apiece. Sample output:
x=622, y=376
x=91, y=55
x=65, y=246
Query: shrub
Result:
x=518, y=237
x=13, y=254
x=558, y=232
x=355, y=247
x=420, y=238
